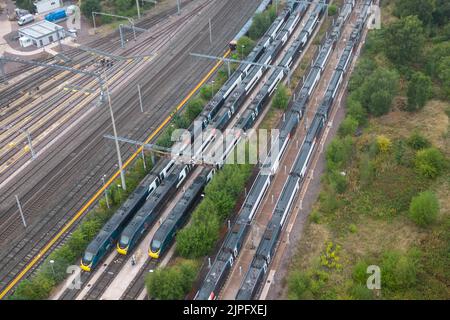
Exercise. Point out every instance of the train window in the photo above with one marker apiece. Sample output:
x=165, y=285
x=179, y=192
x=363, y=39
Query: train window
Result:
x=124, y=240
x=156, y=244
x=88, y=257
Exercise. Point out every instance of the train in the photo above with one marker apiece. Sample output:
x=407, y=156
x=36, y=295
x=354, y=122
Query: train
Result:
x=133, y=232
x=127, y=225
x=111, y=230
x=232, y=245
x=179, y=215
x=151, y=210
x=259, y=266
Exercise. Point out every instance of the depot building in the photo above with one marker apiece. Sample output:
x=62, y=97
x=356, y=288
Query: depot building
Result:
x=40, y=34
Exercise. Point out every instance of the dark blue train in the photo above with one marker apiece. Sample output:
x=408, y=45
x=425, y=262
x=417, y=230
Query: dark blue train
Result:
x=179, y=215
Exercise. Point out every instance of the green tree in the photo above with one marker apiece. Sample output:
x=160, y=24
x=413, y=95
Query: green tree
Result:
x=88, y=6
x=356, y=111
x=378, y=91
x=441, y=12
x=423, y=9
x=27, y=5
x=348, y=126
x=261, y=22
x=281, y=98
x=193, y=109
x=430, y=162
x=198, y=238
x=123, y=5
x=404, y=40
x=424, y=208
x=419, y=91
x=244, y=46
x=444, y=75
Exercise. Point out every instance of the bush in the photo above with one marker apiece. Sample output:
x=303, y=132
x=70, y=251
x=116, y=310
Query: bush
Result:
x=361, y=292
x=88, y=6
x=429, y=162
x=359, y=273
x=337, y=181
x=332, y=10
x=424, y=208
x=261, y=22
x=417, y=141
x=356, y=111
x=377, y=91
x=281, y=98
x=172, y=283
x=348, y=126
x=338, y=152
x=399, y=271
x=298, y=285
x=419, y=91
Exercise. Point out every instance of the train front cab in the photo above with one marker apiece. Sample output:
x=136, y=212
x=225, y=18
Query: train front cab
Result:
x=155, y=249
x=123, y=245
x=87, y=262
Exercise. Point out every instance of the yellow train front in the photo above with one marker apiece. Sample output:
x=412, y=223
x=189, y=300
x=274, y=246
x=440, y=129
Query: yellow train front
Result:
x=155, y=249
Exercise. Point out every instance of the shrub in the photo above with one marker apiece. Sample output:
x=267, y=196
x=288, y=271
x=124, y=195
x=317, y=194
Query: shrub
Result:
x=359, y=273
x=356, y=111
x=429, y=162
x=424, y=208
x=172, y=283
x=361, y=292
x=417, y=141
x=298, y=285
x=383, y=143
x=281, y=98
x=399, y=271
x=419, y=91
x=348, y=126
x=332, y=10
x=338, y=152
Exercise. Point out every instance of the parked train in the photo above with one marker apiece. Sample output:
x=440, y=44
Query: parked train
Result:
x=109, y=233
x=133, y=232
x=179, y=215
x=232, y=245
x=259, y=266
x=151, y=210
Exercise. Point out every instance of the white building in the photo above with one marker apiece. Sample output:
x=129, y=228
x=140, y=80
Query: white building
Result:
x=47, y=5
x=40, y=34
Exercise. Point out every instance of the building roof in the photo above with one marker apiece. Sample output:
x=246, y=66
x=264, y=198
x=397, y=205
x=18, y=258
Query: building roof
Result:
x=40, y=29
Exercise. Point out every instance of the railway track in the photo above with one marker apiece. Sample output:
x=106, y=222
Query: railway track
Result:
x=13, y=156
x=93, y=150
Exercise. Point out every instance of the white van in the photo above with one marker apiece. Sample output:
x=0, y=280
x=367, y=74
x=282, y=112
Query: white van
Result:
x=25, y=19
